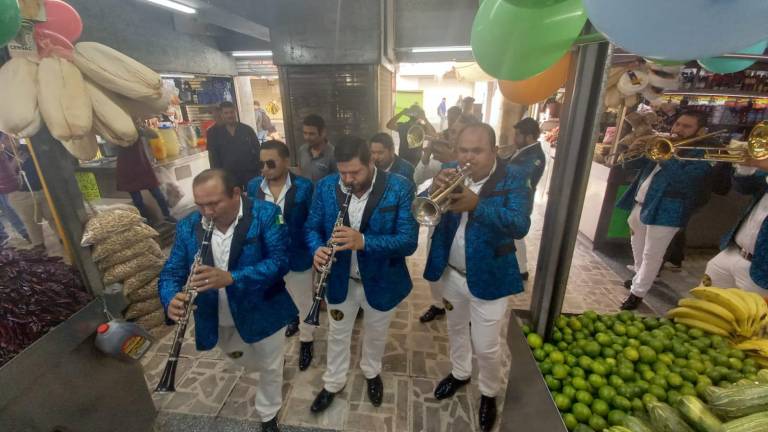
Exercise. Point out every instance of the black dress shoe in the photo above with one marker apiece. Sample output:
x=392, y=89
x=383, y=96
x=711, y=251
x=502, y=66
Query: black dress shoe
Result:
x=305, y=355
x=448, y=387
x=628, y=284
x=631, y=302
x=375, y=390
x=270, y=426
x=432, y=313
x=524, y=276
x=322, y=401
x=292, y=328
x=487, y=414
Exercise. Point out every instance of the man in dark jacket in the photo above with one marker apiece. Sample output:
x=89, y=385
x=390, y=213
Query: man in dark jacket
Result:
x=383, y=155
x=233, y=146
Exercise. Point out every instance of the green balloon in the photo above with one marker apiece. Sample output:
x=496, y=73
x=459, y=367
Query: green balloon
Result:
x=533, y=3
x=10, y=20
x=512, y=42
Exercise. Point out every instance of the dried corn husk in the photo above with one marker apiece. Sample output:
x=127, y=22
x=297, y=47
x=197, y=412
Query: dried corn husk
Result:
x=148, y=291
x=19, y=112
x=121, y=272
x=135, y=282
x=123, y=240
x=148, y=246
x=84, y=148
x=33, y=128
x=107, y=224
x=141, y=309
x=116, y=71
x=110, y=121
x=64, y=103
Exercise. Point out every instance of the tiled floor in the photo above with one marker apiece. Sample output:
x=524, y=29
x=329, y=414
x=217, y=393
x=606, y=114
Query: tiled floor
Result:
x=416, y=359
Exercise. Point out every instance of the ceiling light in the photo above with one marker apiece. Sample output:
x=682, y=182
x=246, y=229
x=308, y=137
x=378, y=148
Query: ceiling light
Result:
x=170, y=4
x=173, y=75
x=252, y=53
x=440, y=49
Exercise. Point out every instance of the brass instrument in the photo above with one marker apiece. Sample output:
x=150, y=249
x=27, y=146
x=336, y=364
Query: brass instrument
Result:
x=321, y=279
x=756, y=147
x=417, y=134
x=428, y=210
x=661, y=148
x=168, y=378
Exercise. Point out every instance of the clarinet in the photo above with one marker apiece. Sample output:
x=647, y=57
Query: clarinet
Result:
x=168, y=379
x=321, y=281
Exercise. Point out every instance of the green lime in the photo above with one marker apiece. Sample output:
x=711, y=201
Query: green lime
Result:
x=562, y=401
x=606, y=393
x=539, y=354
x=659, y=381
x=620, y=329
x=595, y=380
x=548, y=347
x=597, y=422
x=615, y=381
x=633, y=331
x=581, y=412
x=584, y=397
x=680, y=362
x=545, y=367
x=643, y=386
x=560, y=371
x=592, y=349
x=689, y=375
x=569, y=391
x=656, y=345
x=673, y=396
x=578, y=372
x=557, y=335
x=561, y=322
x=696, y=365
x=650, y=322
x=648, y=375
x=621, y=403
x=609, y=353
x=556, y=357
x=603, y=339
x=534, y=341
x=688, y=390
x=562, y=346
x=600, y=407
x=674, y=380
x=658, y=392
x=626, y=373
x=570, y=359
x=735, y=363
x=570, y=421
x=552, y=382
x=649, y=398
x=585, y=362
x=646, y=354
x=574, y=324
x=631, y=354
x=625, y=316
x=637, y=405
x=694, y=333
x=634, y=343
x=526, y=329
x=616, y=417
x=600, y=368
x=666, y=358
x=579, y=383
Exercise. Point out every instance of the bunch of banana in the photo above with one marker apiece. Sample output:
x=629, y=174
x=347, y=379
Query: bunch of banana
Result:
x=756, y=349
x=728, y=312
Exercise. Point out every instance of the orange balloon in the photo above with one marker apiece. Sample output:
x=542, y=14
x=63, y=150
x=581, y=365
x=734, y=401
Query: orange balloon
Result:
x=538, y=87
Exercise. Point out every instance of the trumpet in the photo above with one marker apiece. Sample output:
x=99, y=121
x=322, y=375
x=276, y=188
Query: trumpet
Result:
x=417, y=134
x=429, y=210
x=661, y=148
x=756, y=147
x=168, y=378
x=321, y=281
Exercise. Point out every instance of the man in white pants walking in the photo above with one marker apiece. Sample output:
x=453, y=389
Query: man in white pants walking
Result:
x=293, y=194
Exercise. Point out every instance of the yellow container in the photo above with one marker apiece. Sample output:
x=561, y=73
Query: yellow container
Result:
x=171, y=140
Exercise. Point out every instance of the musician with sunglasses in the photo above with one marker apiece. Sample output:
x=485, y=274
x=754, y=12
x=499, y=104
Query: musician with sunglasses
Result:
x=242, y=306
x=293, y=194
x=369, y=271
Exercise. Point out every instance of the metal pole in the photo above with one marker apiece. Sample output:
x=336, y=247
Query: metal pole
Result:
x=569, y=182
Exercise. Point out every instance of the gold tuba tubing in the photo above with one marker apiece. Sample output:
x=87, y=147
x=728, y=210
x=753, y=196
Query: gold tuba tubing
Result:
x=417, y=134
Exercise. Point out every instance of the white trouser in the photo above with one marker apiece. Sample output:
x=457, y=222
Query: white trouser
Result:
x=375, y=326
x=32, y=208
x=299, y=285
x=486, y=318
x=522, y=255
x=729, y=269
x=265, y=357
x=649, y=243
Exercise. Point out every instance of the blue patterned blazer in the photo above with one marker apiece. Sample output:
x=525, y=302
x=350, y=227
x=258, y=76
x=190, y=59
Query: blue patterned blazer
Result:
x=258, y=260
x=297, y=202
x=501, y=216
x=756, y=186
x=402, y=167
x=391, y=234
x=532, y=159
x=672, y=194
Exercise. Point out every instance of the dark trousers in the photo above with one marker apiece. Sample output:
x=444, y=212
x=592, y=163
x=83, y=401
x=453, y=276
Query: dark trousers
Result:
x=138, y=201
x=676, y=250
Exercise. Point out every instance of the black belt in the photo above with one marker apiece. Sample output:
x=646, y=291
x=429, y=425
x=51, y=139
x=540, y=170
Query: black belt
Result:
x=461, y=272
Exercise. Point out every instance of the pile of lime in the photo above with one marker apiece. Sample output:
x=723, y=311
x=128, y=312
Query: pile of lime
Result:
x=599, y=368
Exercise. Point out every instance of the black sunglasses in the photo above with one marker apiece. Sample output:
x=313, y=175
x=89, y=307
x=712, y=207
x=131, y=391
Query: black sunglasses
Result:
x=269, y=164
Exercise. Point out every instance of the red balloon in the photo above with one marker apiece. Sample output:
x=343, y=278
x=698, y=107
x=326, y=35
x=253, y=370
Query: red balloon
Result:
x=50, y=43
x=538, y=87
x=62, y=19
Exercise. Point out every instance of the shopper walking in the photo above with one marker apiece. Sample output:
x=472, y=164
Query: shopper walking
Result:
x=315, y=157
x=233, y=146
x=476, y=262
x=442, y=111
x=293, y=194
x=9, y=182
x=242, y=306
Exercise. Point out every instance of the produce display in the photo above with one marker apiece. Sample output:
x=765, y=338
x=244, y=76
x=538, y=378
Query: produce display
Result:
x=38, y=293
x=626, y=372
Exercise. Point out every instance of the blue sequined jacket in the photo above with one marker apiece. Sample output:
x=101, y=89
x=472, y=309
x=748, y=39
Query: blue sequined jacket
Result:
x=402, y=167
x=258, y=260
x=391, y=234
x=501, y=216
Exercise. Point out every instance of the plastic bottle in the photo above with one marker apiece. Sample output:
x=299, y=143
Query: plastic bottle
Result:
x=122, y=339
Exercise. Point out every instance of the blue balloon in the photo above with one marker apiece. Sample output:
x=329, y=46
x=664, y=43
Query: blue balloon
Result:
x=726, y=65
x=680, y=29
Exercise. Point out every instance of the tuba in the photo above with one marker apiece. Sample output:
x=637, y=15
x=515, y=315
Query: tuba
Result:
x=168, y=378
x=417, y=134
x=756, y=147
x=428, y=210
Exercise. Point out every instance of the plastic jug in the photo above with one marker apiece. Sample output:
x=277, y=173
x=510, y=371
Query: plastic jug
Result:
x=170, y=139
x=122, y=339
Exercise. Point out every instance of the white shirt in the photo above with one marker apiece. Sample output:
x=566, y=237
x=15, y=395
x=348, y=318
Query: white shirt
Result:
x=457, y=257
x=355, y=213
x=283, y=192
x=642, y=191
x=221, y=243
x=426, y=172
x=746, y=236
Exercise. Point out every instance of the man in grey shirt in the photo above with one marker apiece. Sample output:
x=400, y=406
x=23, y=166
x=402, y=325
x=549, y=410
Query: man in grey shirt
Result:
x=315, y=157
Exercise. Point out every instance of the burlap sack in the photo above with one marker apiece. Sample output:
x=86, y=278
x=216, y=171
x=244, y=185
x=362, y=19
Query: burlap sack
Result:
x=122, y=240
x=152, y=319
x=141, y=278
x=148, y=246
x=141, y=309
x=107, y=224
x=160, y=331
x=121, y=272
x=148, y=291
